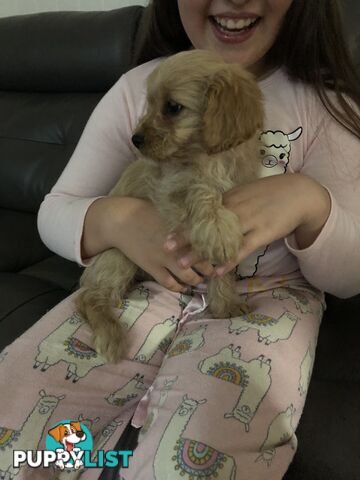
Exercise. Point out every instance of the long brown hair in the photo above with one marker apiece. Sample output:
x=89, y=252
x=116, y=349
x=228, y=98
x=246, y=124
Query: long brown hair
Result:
x=311, y=46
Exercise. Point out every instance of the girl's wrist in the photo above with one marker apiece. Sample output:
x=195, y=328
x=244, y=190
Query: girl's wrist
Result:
x=102, y=222
x=92, y=240
x=118, y=214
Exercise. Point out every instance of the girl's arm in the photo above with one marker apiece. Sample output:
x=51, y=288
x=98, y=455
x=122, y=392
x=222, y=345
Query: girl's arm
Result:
x=103, y=152
x=316, y=210
x=332, y=261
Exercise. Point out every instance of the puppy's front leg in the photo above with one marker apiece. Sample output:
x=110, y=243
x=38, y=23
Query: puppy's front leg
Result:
x=215, y=231
x=140, y=180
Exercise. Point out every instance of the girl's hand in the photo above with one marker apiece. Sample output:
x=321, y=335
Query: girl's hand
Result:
x=269, y=209
x=136, y=229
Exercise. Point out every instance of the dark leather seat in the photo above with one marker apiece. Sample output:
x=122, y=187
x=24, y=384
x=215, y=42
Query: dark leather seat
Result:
x=54, y=68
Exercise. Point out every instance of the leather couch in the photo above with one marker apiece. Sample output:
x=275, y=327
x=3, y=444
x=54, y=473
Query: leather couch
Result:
x=54, y=68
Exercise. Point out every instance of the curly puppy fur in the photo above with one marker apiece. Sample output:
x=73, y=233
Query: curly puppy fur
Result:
x=198, y=139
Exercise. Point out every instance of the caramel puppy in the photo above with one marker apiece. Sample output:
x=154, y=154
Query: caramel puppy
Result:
x=198, y=139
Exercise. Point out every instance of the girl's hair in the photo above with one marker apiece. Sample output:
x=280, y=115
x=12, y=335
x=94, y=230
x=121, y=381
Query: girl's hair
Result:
x=310, y=45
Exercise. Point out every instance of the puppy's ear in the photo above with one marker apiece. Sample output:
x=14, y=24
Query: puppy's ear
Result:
x=234, y=110
x=57, y=432
x=76, y=425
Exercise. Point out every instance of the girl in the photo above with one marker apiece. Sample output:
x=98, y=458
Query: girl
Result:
x=215, y=398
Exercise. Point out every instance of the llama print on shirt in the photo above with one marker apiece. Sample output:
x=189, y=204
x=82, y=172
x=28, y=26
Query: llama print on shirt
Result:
x=274, y=157
x=275, y=151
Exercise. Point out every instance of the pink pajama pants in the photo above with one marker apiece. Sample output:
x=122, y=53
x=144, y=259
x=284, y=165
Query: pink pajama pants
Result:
x=215, y=398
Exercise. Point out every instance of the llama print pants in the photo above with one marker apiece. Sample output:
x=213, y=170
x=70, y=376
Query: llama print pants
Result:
x=213, y=398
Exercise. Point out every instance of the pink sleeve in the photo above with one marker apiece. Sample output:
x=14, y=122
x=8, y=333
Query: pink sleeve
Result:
x=332, y=262
x=103, y=152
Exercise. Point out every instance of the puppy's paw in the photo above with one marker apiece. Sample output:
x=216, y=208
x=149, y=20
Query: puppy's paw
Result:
x=219, y=238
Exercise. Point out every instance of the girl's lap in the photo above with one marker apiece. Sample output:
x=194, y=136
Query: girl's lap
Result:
x=231, y=373
x=232, y=389
x=51, y=373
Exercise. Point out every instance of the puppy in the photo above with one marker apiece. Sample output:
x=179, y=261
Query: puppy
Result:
x=198, y=139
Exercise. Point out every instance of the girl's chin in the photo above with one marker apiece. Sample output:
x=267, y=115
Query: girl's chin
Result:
x=254, y=65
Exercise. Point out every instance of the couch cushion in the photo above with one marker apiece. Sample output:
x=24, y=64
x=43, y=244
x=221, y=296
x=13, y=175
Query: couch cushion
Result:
x=20, y=243
x=67, y=51
x=38, y=133
x=26, y=296
x=23, y=301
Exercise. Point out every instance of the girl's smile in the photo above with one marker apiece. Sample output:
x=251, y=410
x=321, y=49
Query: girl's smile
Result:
x=231, y=28
x=242, y=31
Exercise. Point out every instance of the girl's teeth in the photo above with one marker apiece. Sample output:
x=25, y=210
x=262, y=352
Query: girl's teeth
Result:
x=231, y=24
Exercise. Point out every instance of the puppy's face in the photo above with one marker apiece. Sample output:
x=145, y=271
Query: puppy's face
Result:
x=197, y=103
x=171, y=127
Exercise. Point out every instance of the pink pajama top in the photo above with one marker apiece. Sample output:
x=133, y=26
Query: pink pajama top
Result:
x=299, y=136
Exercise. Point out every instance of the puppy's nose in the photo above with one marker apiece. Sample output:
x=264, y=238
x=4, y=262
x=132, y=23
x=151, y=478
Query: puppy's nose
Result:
x=138, y=140
x=80, y=434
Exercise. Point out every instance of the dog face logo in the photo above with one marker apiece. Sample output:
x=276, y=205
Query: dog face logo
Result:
x=68, y=434
x=69, y=437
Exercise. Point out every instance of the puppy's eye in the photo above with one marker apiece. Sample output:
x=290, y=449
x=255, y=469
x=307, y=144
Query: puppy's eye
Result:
x=172, y=108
